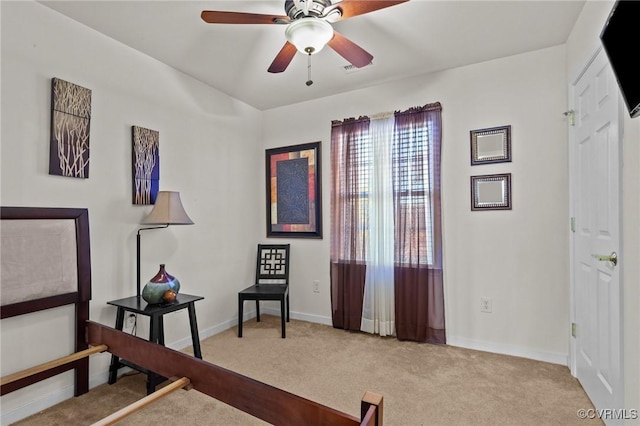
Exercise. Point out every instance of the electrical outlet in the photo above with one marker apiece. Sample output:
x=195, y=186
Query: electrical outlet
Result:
x=131, y=320
x=485, y=305
x=316, y=286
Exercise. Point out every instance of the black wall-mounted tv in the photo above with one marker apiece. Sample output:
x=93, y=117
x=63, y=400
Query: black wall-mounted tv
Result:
x=620, y=38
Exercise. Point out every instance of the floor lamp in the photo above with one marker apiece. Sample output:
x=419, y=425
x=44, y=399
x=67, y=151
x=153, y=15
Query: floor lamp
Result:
x=167, y=211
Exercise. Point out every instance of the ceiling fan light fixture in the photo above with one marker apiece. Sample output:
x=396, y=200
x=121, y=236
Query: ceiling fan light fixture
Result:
x=309, y=35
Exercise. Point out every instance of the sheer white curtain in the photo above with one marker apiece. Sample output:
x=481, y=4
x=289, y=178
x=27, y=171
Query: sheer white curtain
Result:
x=378, y=308
x=404, y=295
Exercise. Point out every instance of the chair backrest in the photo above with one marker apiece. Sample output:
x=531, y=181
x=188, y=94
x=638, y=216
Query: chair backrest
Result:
x=272, y=266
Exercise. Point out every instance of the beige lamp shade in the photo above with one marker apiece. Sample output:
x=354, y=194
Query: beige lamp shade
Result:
x=167, y=210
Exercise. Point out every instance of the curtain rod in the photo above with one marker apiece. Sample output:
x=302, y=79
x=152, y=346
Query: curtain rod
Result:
x=428, y=107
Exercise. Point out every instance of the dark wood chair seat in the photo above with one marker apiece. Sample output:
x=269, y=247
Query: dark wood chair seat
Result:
x=272, y=283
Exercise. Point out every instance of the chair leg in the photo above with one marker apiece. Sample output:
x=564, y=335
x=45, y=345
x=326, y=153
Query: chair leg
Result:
x=287, y=307
x=282, y=316
x=258, y=310
x=240, y=315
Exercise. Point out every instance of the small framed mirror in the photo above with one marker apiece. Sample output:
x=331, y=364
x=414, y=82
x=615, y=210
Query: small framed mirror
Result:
x=491, y=192
x=491, y=145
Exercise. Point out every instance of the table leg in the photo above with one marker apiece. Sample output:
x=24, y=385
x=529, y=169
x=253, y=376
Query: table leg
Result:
x=115, y=360
x=156, y=335
x=161, y=330
x=195, y=338
x=154, y=325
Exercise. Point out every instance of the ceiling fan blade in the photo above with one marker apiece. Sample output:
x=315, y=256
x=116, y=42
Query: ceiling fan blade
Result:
x=351, y=8
x=356, y=55
x=283, y=58
x=217, y=17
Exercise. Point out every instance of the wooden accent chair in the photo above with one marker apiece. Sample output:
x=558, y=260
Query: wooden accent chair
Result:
x=271, y=282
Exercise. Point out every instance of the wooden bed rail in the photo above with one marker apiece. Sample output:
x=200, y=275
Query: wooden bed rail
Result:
x=47, y=366
x=130, y=409
x=259, y=399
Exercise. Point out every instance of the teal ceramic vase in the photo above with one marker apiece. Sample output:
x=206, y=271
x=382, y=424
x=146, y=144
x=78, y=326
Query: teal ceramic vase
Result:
x=161, y=288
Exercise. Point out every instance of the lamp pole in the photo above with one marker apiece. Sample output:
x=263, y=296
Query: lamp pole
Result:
x=138, y=255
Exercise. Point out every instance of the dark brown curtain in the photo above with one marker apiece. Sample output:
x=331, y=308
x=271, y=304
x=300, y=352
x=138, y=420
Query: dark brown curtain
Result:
x=348, y=213
x=418, y=284
x=419, y=304
x=347, y=293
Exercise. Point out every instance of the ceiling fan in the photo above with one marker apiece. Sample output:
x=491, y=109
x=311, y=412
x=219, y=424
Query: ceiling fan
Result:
x=309, y=27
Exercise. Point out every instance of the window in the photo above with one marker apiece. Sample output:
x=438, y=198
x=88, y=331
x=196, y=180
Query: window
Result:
x=413, y=189
x=386, y=238
x=413, y=173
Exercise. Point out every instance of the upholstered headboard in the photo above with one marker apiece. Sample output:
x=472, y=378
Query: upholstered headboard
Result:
x=46, y=263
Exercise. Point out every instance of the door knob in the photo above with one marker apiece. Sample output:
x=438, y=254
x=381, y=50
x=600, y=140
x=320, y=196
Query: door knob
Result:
x=613, y=257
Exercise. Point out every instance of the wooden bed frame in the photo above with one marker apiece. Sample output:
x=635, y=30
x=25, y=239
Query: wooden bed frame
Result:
x=263, y=401
x=80, y=297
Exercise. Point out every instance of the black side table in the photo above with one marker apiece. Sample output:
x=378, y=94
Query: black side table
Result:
x=155, y=313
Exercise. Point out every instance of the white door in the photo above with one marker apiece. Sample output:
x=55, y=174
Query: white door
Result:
x=595, y=179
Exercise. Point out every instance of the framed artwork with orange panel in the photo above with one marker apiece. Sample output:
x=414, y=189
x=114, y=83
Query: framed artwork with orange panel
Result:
x=293, y=190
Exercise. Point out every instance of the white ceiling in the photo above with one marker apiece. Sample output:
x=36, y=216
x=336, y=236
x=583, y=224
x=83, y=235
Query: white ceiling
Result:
x=408, y=39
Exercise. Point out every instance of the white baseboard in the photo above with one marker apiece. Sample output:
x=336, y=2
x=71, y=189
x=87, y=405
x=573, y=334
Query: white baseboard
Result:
x=299, y=316
x=36, y=405
x=65, y=393
x=219, y=328
x=207, y=332
x=46, y=401
x=498, y=348
x=505, y=349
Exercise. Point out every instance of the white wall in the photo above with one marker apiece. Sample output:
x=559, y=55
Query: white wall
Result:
x=519, y=258
x=210, y=151
x=581, y=46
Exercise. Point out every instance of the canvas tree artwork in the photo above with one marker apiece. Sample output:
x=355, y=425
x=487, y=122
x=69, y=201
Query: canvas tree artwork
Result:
x=70, y=119
x=146, y=165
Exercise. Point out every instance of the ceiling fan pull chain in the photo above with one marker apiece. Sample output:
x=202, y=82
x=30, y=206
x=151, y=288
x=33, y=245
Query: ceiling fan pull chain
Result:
x=309, y=81
x=309, y=28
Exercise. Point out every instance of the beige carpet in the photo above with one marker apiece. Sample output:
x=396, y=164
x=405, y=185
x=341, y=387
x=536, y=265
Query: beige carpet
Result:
x=422, y=384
